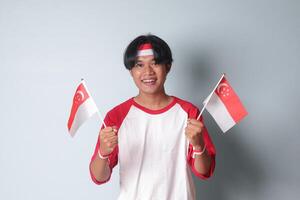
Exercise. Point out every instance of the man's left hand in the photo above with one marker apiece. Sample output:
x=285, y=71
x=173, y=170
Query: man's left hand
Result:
x=193, y=132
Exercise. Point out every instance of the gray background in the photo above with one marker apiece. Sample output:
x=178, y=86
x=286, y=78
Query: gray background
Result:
x=47, y=46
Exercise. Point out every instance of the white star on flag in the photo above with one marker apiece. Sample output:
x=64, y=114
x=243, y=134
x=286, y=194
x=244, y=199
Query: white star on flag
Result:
x=83, y=108
x=224, y=105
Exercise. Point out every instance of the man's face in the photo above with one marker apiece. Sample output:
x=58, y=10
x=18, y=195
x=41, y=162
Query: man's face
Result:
x=148, y=76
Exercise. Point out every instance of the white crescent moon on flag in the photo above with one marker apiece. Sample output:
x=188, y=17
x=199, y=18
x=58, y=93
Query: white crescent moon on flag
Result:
x=81, y=95
x=221, y=85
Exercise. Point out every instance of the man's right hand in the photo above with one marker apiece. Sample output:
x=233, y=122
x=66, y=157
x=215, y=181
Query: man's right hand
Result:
x=108, y=140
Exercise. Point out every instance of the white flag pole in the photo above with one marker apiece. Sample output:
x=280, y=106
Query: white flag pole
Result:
x=101, y=118
x=205, y=104
x=208, y=98
x=98, y=112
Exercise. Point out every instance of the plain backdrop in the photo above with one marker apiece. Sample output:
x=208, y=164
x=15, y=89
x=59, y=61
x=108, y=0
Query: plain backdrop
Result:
x=46, y=47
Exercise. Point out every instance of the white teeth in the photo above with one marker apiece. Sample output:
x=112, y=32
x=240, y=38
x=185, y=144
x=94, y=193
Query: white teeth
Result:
x=148, y=80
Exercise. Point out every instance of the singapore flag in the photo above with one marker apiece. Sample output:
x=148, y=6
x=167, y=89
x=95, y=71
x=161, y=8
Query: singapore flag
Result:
x=83, y=108
x=224, y=105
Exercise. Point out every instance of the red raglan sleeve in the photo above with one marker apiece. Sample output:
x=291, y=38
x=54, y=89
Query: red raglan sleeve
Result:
x=113, y=157
x=193, y=113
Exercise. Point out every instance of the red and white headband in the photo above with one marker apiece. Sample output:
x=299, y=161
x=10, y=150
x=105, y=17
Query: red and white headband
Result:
x=145, y=50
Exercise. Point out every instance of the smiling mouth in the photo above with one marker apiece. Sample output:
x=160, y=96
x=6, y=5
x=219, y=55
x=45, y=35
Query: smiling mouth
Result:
x=149, y=81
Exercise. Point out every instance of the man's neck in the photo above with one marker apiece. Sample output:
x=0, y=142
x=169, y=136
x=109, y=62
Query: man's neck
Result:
x=153, y=101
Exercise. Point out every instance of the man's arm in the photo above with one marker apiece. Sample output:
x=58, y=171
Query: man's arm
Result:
x=99, y=166
x=201, y=161
x=100, y=169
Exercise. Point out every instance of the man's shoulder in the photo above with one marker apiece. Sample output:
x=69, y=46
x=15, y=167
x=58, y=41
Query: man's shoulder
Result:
x=186, y=105
x=121, y=109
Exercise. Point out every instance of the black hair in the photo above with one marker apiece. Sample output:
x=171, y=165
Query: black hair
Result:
x=161, y=50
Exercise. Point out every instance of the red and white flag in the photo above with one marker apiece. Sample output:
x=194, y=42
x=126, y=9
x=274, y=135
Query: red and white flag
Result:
x=224, y=105
x=83, y=108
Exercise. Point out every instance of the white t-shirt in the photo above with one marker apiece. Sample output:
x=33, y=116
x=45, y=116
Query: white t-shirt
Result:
x=153, y=152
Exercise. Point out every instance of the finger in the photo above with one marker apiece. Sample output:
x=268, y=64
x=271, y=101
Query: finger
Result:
x=192, y=134
x=108, y=129
x=114, y=143
x=193, y=128
x=111, y=129
x=111, y=145
x=111, y=139
x=108, y=134
x=113, y=132
x=189, y=136
x=115, y=129
x=195, y=122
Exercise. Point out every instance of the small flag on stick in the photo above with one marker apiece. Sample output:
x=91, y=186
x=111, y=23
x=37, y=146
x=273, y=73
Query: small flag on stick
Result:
x=83, y=108
x=224, y=105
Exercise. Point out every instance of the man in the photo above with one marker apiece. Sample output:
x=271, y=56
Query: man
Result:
x=155, y=137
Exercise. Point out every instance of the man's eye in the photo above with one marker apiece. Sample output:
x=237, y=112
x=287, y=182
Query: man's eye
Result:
x=154, y=64
x=139, y=65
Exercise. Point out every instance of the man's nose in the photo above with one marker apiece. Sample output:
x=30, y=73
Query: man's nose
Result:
x=149, y=69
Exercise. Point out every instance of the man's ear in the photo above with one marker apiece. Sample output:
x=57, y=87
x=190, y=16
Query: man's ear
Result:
x=130, y=71
x=168, y=67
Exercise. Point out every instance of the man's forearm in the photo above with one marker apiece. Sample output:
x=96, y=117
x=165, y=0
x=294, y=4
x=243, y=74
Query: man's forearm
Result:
x=100, y=169
x=202, y=163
